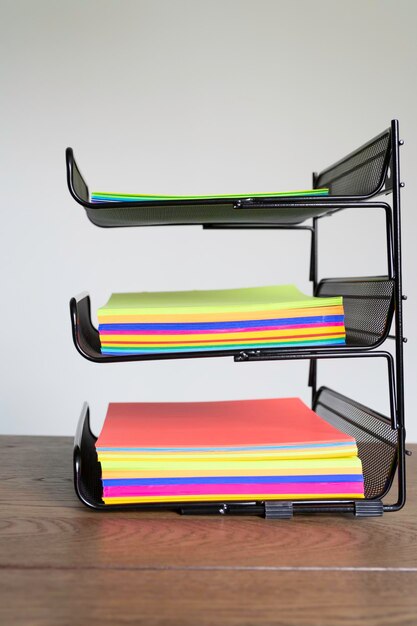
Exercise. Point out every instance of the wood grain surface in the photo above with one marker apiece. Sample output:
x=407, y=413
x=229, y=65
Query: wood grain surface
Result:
x=62, y=563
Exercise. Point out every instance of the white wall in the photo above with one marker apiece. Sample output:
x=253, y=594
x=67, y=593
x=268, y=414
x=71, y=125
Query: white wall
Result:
x=186, y=97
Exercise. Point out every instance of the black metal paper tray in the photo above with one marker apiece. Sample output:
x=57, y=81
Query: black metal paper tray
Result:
x=377, y=446
x=359, y=176
x=368, y=304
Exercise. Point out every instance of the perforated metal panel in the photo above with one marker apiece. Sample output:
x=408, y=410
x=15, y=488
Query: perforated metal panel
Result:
x=362, y=172
x=377, y=442
x=131, y=215
x=368, y=305
x=90, y=485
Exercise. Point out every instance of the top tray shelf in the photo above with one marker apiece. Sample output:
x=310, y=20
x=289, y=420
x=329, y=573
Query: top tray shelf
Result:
x=359, y=176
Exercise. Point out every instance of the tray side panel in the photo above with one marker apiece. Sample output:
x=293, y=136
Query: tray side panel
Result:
x=377, y=441
x=368, y=305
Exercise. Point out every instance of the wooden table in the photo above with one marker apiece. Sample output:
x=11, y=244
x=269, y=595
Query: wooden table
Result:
x=61, y=563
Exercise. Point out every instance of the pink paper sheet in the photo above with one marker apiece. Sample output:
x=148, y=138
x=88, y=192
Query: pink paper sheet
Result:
x=245, y=488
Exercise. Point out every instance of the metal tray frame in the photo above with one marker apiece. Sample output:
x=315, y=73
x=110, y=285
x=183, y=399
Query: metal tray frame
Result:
x=371, y=170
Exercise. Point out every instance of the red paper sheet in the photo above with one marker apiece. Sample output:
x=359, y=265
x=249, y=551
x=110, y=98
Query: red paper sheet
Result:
x=276, y=422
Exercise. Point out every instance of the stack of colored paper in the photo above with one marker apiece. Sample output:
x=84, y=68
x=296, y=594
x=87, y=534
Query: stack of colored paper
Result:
x=231, y=450
x=228, y=319
x=104, y=196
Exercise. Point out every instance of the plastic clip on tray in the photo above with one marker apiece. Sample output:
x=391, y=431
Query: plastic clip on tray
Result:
x=371, y=305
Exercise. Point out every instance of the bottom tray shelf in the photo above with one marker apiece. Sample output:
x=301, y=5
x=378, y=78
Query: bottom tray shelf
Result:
x=377, y=446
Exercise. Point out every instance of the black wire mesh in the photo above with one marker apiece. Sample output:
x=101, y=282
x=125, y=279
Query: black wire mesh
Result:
x=79, y=183
x=89, y=483
x=131, y=215
x=368, y=305
x=377, y=441
x=362, y=172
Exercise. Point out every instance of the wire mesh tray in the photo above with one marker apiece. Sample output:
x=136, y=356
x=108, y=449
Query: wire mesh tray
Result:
x=360, y=175
x=368, y=304
x=377, y=448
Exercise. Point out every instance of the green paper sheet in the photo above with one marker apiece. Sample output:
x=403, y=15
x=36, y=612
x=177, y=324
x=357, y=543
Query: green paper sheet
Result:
x=212, y=301
x=104, y=196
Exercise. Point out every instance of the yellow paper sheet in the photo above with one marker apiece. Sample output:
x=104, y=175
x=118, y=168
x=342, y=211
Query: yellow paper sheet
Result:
x=129, y=318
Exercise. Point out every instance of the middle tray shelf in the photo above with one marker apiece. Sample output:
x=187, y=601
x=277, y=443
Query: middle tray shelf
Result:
x=368, y=305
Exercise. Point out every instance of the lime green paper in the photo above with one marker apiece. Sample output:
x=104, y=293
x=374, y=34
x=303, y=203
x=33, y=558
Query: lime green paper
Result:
x=210, y=301
x=122, y=197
